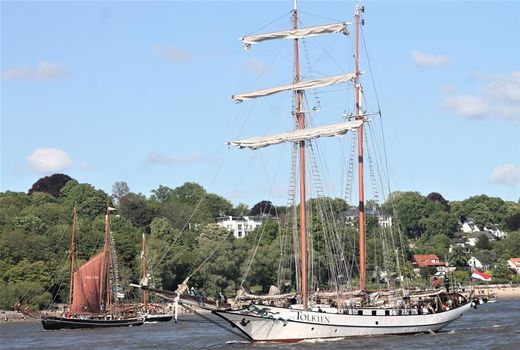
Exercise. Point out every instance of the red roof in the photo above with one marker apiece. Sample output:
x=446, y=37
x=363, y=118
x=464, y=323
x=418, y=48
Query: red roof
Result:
x=425, y=260
x=515, y=261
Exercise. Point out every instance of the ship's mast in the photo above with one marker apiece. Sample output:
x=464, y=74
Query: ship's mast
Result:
x=144, y=272
x=300, y=118
x=72, y=258
x=107, y=260
x=359, y=10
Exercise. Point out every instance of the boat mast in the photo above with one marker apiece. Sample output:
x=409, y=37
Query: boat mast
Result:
x=359, y=10
x=72, y=257
x=107, y=260
x=144, y=272
x=300, y=118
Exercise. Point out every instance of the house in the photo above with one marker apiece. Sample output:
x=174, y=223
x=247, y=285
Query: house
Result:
x=475, y=263
x=239, y=225
x=514, y=264
x=468, y=226
x=383, y=219
x=473, y=237
x=495, y=231
x=457, y=242
x=427, y=260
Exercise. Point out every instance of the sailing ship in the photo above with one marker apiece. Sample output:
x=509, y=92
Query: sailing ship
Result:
x=93, y=295
x=150, y=312
x=347, y=313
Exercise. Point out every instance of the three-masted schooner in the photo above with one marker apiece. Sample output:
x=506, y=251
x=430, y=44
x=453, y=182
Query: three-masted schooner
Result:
x=91, y=295
x=402, y=312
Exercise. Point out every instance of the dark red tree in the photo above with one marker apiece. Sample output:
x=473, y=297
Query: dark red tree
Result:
x=50, y=184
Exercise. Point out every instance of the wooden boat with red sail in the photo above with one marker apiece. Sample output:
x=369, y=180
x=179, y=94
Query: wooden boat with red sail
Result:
x=93, y=299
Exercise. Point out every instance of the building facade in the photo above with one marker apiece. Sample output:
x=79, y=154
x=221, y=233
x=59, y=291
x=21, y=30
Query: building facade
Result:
x=239, y=225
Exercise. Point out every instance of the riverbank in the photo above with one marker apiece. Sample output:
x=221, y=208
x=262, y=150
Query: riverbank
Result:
x=502, y=292
x=15, y=317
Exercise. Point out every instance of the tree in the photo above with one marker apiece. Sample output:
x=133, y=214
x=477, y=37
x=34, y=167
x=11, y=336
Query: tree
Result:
x=137, y=209
x=440, y=222
x=162, y=194
x=119, y=190
x=50, y=184
x=408, y=209
x=241, y=209
x=263, y=208
x=459, y=257
x=483, y=242
x=438, y=198
x=89, y=201
x=513, y=221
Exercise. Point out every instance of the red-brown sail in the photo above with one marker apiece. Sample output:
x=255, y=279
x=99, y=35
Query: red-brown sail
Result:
x=87, y=286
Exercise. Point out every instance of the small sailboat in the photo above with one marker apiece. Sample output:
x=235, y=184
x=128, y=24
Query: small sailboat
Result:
x=92, y=296
x=150, y=312
x=350, y=313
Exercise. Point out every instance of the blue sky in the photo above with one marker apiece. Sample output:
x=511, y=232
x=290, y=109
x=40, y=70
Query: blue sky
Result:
x=139, y=92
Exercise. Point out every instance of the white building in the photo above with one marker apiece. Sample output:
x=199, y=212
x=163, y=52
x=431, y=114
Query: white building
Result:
x=469, y=226
x=383, y=219
x=475, y=263
x=495, y=231
x=239, y=225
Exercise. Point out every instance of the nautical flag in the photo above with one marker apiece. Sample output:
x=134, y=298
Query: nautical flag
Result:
x=480, y=276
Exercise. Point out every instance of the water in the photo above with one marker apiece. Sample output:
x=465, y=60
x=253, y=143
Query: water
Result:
x=491, y=326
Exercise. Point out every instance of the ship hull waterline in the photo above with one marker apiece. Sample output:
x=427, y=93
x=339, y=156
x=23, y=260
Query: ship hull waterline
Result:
x=149, y=318
x=292, y=325
x=55, y=323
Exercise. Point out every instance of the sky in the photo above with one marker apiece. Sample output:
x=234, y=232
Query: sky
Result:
x=139, y=92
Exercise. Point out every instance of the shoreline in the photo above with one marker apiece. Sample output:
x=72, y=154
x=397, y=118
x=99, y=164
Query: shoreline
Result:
x=503, y=293
x=8, y=316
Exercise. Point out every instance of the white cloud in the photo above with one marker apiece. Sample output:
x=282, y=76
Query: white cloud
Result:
x=157, y=158
x=496, y=97
x=25, y=73
x=255, y=65
x=467, y=106
x=50, y=71
x=425, y=60
x=507, y=174
x=42, y=71
x=172, y=54
x=47, y=160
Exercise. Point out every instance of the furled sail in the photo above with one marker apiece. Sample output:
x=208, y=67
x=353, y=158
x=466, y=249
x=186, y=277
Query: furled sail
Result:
x=296, y=33
x=337, y=129
x=303, y=85
x=86, y=297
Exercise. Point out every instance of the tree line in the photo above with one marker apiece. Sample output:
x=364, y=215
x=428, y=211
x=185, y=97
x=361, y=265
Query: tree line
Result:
x=35, y=231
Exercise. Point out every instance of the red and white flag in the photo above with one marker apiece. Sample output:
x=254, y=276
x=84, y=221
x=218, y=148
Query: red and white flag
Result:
x=480, y=276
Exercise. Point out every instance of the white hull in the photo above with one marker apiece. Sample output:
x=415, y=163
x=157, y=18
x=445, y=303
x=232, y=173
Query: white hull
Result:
x=283, y=324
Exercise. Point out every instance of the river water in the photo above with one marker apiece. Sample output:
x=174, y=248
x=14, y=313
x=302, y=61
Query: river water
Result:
x=491, y=326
